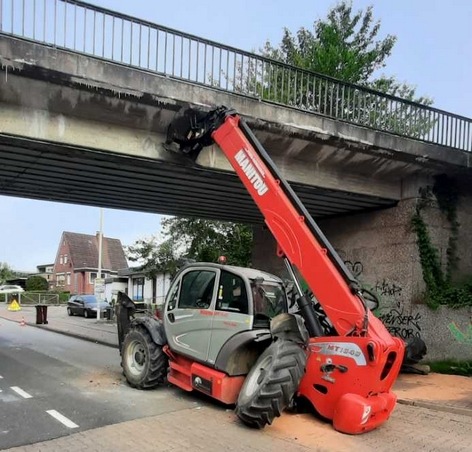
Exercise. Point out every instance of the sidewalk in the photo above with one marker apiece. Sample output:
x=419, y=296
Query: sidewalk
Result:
x=448, y=393
x=99, y=331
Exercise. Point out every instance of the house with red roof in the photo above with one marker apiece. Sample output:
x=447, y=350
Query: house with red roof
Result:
x=76, y=264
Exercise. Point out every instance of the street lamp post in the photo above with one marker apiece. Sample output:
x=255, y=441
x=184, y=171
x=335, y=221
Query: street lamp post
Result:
x=99, y=275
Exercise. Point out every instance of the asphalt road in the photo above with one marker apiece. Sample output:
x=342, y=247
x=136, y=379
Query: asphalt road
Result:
x=52, y=385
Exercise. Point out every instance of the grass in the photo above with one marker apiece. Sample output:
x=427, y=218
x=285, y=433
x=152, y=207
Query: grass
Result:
x=452, y=367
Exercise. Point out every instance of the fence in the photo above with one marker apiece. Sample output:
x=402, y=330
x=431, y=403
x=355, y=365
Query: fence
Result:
x=39, y=298
x=98, y=32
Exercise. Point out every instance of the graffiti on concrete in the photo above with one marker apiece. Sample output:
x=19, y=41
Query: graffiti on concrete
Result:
x=391, y=311
x=389, y=289
x=401, y=324
x=356, y=268
x=461, y=336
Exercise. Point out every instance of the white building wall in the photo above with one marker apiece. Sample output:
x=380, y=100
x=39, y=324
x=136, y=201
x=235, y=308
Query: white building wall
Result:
x=162, y=286
x=111, y=289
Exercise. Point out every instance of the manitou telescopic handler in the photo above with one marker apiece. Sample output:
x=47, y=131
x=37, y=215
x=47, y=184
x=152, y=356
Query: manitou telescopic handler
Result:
x=226, y=331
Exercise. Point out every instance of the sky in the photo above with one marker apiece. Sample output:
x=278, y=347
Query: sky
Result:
x=433, y=52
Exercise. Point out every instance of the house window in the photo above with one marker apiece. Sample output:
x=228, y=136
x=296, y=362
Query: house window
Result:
x=60, y=279
x=65, y=258
x=61, y=259
x=94, y=275
x=138, y=288
x=68, y=279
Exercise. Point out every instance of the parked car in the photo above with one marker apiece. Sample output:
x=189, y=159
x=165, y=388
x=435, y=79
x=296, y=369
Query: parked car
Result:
x=11, y=289
x=86, y=305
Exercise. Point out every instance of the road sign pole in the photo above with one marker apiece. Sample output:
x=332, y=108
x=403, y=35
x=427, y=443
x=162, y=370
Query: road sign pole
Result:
x=99, y=275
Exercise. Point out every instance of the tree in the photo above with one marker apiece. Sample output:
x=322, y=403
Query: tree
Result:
x=191, y=239
x=206, y=240
x=345, y=46
x=35, y=283
x=5, y=272
x=155, y=258
x=342, y=46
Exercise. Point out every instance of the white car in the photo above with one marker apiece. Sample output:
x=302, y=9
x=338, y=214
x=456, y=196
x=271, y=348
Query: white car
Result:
x=6, y=289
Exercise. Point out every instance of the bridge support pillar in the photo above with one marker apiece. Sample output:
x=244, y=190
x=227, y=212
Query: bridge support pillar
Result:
x=380, y=248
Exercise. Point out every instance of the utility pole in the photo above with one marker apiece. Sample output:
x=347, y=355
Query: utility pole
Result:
x=99, y=275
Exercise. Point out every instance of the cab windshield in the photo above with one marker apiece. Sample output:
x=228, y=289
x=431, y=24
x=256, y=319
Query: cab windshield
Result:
x=269, y=299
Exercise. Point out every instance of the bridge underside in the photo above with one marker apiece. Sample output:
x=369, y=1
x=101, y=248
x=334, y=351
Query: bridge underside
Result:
x=56, y=172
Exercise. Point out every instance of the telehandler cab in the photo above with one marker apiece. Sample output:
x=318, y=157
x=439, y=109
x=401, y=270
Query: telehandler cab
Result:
x=227, y=332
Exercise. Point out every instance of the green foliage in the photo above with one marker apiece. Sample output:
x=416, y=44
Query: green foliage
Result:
x=63, y=296
x=155, y=258
x=452, y=367
x=5, y=272
x=36, y=283
x=206, y=240
x=447, y=194
x=191, y=238
x=440, y=289
x=345, y=46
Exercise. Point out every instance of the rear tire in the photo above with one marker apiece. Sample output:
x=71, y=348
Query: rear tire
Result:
x=69, y=311
x=271, y=383
x=143, y=361
x=86, y=314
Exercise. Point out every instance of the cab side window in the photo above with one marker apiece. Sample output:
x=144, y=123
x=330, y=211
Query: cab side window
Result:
x=172, y=297
x=197, y=289
x=232, y=295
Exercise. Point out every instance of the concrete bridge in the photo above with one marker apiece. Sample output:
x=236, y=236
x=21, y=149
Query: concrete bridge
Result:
x=84, y=112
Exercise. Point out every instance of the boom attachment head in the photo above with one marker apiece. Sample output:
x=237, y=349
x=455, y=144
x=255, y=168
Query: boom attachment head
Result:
x=191, y=128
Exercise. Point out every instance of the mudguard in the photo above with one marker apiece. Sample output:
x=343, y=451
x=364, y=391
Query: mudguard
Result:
x=124, y=310
x=239, y=353
x=154, y=326
x=290, y=327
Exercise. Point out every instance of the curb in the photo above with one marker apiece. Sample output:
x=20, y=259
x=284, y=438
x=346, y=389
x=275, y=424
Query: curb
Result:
x=67, y=333
x=436, y=407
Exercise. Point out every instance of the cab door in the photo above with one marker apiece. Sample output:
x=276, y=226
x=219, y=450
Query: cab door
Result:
x=232, y=312
x=188, y=314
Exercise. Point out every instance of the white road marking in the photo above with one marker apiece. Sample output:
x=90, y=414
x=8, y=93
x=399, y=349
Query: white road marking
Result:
x=61, y=418
x=20, y=391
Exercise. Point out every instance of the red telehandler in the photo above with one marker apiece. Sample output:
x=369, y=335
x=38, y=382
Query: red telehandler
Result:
x=227, y=331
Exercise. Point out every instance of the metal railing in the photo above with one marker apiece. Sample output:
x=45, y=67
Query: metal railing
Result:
x=39, y=298
x=88, y=29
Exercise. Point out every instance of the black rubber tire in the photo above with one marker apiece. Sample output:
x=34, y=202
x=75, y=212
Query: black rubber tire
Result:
x=271, y=383
x=143, y=361
x=86, y=314
x=69, y=311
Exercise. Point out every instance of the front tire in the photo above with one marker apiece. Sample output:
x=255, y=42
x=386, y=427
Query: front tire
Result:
x=69, y=311
x=86, y=314
x=143, y=361
x=271, y=383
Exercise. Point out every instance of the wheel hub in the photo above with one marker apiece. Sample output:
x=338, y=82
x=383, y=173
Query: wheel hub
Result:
x=136, y=358
x=139, y=357
x=258, y=377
